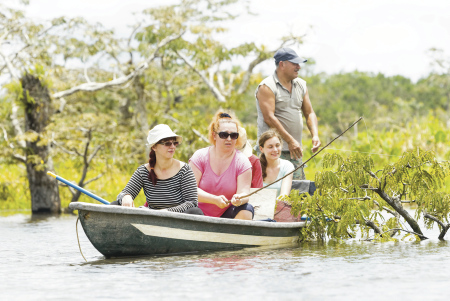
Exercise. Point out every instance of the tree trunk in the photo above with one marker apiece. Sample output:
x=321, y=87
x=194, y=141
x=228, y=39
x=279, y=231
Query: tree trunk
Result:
x=43, y=189
x=141, y=110
x=125, y=110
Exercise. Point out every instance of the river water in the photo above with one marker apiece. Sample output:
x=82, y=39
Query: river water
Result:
x=40, y=260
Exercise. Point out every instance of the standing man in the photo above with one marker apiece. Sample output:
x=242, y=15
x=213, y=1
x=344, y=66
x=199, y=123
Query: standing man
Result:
x=280, y=100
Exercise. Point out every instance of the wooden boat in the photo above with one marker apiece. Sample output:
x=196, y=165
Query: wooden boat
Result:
x=120, y=231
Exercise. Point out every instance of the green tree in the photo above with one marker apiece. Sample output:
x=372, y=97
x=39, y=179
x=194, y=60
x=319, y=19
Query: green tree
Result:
x=170, y=69
x=351, y=195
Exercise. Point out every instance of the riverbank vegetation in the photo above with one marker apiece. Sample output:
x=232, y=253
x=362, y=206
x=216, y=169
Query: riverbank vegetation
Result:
x=101, y=94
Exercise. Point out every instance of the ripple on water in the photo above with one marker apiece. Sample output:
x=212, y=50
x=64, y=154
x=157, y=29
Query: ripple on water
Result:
x=41, y=260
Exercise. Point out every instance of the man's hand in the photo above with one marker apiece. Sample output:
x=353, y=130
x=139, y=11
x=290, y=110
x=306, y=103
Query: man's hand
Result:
x=295, y=149
x=315, y=143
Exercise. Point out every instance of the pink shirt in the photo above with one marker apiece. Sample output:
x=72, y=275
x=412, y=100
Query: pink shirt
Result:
x=225, y=184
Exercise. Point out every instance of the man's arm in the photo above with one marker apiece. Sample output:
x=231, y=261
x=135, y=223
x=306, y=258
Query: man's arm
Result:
x=311, y=121
x=266, y=100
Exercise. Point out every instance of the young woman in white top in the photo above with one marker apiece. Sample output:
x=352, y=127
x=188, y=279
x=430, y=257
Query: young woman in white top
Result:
x=273, y=167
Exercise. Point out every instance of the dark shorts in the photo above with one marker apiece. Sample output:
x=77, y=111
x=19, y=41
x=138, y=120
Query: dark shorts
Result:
x=194, y=210
x=232, y=211
x=299, y=174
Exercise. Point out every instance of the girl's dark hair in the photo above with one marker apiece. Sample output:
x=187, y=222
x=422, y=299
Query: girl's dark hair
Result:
x=152, y=161
x=262, y=139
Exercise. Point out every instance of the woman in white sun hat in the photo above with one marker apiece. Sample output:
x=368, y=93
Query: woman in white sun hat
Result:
x=246, y=149
x=168, y=184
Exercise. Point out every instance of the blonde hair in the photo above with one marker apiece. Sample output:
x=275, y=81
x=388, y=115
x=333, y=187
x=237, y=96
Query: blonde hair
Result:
x=262, y=139
x=222, y=117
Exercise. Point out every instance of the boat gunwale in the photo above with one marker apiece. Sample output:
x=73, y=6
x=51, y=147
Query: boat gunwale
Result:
x=199, y=218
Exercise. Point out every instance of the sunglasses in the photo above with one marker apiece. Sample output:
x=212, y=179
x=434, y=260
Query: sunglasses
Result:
x=169, y=143
x=225, y=135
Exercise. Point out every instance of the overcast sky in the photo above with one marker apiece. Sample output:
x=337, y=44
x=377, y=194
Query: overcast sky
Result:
x=388, y=36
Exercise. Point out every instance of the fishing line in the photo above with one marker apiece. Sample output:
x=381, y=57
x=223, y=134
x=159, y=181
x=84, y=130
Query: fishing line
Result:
x=368, y=140
x=343, y=150
x=79, y=246
x=370, y=146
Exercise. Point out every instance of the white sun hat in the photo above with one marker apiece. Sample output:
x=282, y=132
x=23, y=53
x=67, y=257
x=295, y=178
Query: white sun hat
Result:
x=159, y=132
x=245, y=148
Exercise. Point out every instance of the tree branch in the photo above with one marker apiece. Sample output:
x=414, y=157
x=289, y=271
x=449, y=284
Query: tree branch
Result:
x=94, y=153
x=422, y=237
x=73, y=153
x=220, y=82
x=366, y=186
x=15, y=107
x=72, y=191
x=93, y=86
x=20, y=158
x=246, y=79
x=210, y=84
x=17, y=157
x=62, y=104
x=94, y=179
x=365, y=198
x=86, y=76
x=372, y=225
x=386, y=209
x=399, y=208
x=171, y=118
x=444, y=228
x=10, y=66
x=200, y=135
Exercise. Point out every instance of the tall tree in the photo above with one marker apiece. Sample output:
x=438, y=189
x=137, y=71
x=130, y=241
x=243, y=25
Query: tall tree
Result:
x=169, y=68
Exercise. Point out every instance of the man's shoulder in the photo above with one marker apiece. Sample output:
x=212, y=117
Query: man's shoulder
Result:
x=268, y=82
x=300, y=81
x=270, y=79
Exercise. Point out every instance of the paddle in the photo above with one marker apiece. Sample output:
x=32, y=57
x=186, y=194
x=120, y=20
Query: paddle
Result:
x=79, y=188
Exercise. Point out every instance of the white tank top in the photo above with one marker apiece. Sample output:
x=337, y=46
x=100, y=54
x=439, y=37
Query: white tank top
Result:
x=288, y=107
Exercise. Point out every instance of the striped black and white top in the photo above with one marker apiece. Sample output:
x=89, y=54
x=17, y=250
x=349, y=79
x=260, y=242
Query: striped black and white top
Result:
x=177, y=193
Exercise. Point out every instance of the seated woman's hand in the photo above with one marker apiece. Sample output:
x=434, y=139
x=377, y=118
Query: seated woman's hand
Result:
x=237, y=201
x=222, y=201
x=127, y=201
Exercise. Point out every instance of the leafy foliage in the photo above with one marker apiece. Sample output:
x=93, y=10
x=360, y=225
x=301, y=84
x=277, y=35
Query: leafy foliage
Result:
x=350, y=197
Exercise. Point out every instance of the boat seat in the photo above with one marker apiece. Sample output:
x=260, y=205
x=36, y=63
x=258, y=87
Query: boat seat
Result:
x=304, y=186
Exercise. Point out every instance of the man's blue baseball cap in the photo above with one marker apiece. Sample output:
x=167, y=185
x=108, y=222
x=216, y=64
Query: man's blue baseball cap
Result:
x=287, y=54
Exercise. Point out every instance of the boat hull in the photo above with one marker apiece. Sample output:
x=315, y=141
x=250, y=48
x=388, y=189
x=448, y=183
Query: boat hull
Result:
x=118, y=231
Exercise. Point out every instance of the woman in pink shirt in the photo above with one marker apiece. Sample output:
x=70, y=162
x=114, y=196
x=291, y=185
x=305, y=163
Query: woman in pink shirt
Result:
x=222, y=173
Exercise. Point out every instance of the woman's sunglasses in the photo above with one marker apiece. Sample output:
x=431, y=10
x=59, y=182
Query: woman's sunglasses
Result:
x=225, y=135
x=169, y=143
